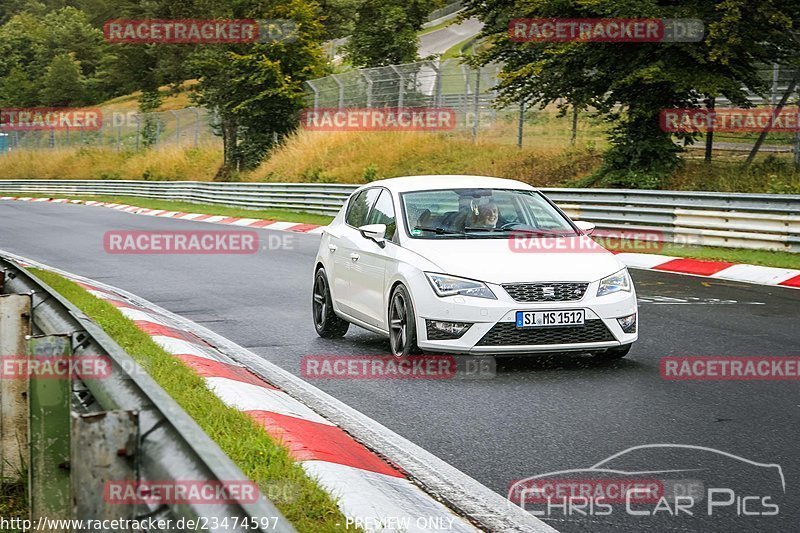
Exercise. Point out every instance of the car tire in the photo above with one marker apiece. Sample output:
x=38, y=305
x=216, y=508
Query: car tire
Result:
x=402, y=323
x=615, y=353
x=327, y=323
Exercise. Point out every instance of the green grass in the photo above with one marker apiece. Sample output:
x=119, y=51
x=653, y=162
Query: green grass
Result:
x=733, y=255
x=282, y=215
x=459, y=49
x=440, y=26
x=258, y=455
x=13, y=503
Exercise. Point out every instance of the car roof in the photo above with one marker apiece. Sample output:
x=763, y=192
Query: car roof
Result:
x=447, y=181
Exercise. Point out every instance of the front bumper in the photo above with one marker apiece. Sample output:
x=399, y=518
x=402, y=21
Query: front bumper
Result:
x=494, y=331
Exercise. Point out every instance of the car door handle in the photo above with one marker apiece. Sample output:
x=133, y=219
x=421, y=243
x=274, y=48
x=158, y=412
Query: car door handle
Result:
x=332, y=248
x=354, y=256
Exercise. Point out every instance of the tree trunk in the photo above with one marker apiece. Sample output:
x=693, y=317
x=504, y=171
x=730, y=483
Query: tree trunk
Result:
x=229, y=149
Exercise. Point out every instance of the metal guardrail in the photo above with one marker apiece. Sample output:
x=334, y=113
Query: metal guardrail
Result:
x=759, y=221
x=121, y=424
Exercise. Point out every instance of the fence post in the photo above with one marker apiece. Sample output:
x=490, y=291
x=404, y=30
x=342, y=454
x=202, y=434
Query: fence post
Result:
x=477, y=104
x=521, y=120
x=15, y=325
x=438, y=92
x=52, y=138
x=138, y=129
x=466, y=89
x=775, y=76
x=574, y=125
x=49, y=400
x=341, y=90
x=369, y=87
x=401, y=90
x=196, y=125
x=177, y=127
x=316, y=94
x=797, y=136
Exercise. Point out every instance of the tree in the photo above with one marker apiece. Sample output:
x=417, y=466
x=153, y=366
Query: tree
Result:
x=339, y=17
x=630, y=83
x=385, y=32
x=17, y=90
x=63, y=83
x=256, y=90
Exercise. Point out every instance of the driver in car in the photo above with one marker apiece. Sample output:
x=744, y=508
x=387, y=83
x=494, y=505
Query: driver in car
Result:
x=484, y=216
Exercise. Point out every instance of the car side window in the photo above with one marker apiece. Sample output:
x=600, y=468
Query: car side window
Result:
x=358, y=210
x=383, y=213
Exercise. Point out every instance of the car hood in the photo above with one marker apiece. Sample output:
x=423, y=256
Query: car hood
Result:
x=500, y=261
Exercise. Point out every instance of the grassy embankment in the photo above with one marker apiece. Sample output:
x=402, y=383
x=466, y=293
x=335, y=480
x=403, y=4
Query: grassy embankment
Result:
x=260, y=457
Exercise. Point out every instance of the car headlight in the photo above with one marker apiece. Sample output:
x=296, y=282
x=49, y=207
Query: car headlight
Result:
x=444, y=285
x=617, y=282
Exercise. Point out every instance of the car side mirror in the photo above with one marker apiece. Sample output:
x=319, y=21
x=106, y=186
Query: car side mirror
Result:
x=374, y=232
x=586, y=227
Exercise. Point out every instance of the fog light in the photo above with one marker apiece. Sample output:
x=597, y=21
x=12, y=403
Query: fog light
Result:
x=628, y=323
x=441, y=330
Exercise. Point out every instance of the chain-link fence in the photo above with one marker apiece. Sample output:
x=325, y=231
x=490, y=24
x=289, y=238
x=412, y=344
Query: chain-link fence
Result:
x=472, y=93
x=121, y=130
x=449, y=84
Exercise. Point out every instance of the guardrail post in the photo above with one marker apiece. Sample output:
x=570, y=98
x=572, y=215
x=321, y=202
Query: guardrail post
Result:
x=15, y=325
x=103, y=445
x=49, y=403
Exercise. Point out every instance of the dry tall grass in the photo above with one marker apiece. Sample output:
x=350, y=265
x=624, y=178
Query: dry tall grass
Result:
x=167, y=163
x=350, y=157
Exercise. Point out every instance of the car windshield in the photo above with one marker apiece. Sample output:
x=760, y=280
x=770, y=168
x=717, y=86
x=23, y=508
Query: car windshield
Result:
x=481, y=213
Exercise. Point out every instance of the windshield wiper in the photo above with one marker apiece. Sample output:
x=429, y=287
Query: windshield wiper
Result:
x=439, y=231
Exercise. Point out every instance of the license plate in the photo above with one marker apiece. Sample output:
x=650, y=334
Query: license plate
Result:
x=539, y=319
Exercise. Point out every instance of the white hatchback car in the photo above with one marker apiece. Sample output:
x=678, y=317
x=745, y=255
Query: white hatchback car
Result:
x=470, y=264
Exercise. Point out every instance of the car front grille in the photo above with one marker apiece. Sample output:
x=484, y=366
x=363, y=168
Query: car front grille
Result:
x=546, y=292
x=508, y=334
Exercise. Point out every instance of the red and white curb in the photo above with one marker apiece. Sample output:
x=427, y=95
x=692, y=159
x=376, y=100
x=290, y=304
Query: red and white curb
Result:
x=783, y=277
x=196, y=217
x=371, y=491
x=364, y=484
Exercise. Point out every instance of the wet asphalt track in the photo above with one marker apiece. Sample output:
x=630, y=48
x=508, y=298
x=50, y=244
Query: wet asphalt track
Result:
x=538, y=415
